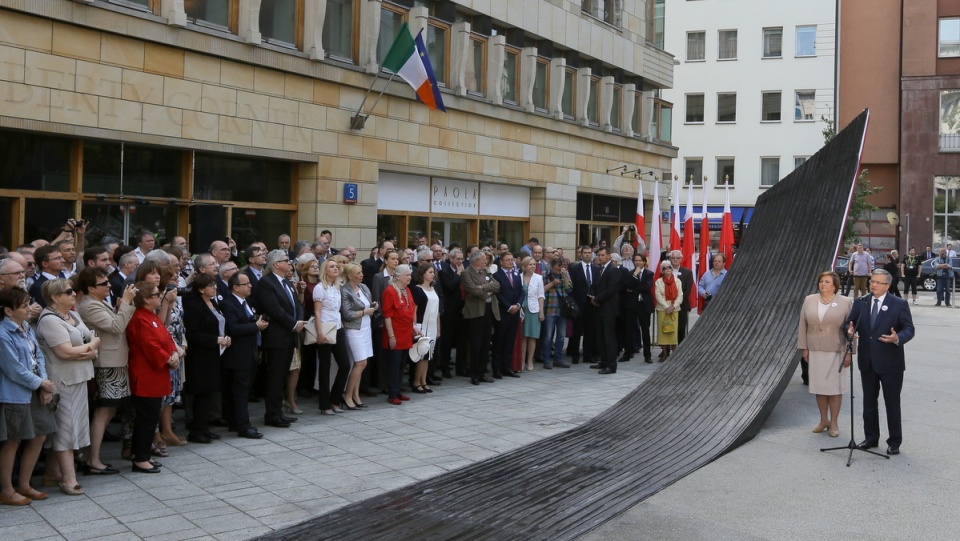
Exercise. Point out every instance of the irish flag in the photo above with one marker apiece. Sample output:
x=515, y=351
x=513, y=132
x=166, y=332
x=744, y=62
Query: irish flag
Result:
x=408, y=59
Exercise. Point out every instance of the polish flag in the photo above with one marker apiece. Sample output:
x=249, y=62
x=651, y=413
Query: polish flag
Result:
x=653, y=253
x=639, y=221
x=705, y=263
x=688, y=247
x=726, y=230
x=675, y=242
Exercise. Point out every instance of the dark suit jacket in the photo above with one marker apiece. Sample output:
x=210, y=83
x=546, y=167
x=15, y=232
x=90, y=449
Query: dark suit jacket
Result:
x=370, y=267
x=894, y=314
x=116, y=284
x=509, y=295
x=629, y=292
x=203, y=356
x=253, y=276
x=272, y=301
x=606, y=291
x=242, y=330
x=35, y=290
x=222, y=290
x=450, y=285
x=645, y=289
x=579, y=279
x=686, y=281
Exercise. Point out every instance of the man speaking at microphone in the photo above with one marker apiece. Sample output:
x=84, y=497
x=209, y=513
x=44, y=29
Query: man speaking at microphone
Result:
x=883, y=324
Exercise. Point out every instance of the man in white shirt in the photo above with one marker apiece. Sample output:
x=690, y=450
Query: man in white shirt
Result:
x=145, y=244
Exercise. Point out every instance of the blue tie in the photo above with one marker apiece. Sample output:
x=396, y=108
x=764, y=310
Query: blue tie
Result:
x=286, y=288
x=250, y=315
x=874, y=312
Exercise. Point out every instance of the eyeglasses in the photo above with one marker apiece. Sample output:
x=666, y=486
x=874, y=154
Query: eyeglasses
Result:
x=66, y=292
x=283, y=260
x=157, y=294
x=102, y=284
x=879, y=283
x=245, y=284
x=666, y=268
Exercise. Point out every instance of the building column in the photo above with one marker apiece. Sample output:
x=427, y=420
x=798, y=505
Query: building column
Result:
x=314, y=13
x=495, y=57
x=583, y=94
x=417, y=21
x=528, y=77
x=606, y=103
x=646, y=114
x=459, y=56
x=249, y=21
x=369, y=34
x=173, y=11
x=558, y=68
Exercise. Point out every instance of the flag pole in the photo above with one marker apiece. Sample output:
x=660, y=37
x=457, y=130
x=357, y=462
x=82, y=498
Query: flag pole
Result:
x=357, y=121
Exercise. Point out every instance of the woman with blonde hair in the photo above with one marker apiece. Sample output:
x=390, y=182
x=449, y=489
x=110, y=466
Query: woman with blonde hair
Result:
x=356, y=308
x=533, y=313
x=326, y=309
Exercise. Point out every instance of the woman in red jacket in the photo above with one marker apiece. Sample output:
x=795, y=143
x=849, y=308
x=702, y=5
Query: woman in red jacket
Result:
x=399, y=312
x=152, y=355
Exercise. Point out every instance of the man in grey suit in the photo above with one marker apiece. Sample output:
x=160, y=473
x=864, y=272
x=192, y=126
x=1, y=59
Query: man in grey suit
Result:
x=479, y=312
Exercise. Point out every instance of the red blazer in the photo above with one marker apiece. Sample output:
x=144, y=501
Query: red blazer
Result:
x=401, y=314
x=150, y=348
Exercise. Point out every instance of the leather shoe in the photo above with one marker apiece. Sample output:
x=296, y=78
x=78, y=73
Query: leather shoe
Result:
x=560, y=365
x=278, y=423
x=596, y=366
x=893, y=450
x=485, y=379
x=211, y=435
x=607, y=371
x=154, y=469
x=497, y=376
x=290, y=420
x=511, y=373
x=868, y=445
x=474, y=381
x=219, y=423
x=575, y=360
x=250, y=434
x=197, y=438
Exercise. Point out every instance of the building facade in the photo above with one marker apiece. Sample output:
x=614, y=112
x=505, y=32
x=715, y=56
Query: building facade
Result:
x=234, y=117
x=753, y=79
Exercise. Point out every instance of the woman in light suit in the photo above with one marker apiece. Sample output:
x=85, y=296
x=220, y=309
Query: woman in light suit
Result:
x=824, y=347
x=356, y=308
x=533, y=313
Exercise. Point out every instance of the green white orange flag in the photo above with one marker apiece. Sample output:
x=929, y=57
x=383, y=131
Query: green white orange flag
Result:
x=406, y=60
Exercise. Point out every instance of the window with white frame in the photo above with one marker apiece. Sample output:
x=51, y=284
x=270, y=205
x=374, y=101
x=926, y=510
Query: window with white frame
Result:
x=949, y=120
x=807, y=40
x=727, y=107
x=696, y=45
x=949, y=37
x=773, y=42
x=805, y=105
x=727, y=45
x=724, y=171
x=693, y=172
x=799, y=160
x=770, y=108
x=769, y=171
x=694, y=109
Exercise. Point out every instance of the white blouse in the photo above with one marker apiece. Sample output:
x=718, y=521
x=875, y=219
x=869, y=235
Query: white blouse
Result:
x=329, y=299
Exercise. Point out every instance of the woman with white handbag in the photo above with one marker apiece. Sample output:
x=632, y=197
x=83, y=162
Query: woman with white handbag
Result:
x=331, y=338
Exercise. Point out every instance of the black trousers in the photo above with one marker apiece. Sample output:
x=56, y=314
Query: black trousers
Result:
x=478, y=329
x=333, y=396
x=394, y=366
x=644, y=318
x=606, y=335
x=308, y=368
x=626, y=325
x=583, y=327
x=201, y=413
x=504, y=344
x=147, y=415
x=683, y=317
x=890, y=384
x=236, y=391
x=277, y=368
x=450, y=327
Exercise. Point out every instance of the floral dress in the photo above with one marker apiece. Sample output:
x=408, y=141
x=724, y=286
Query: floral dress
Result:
x=178, y=332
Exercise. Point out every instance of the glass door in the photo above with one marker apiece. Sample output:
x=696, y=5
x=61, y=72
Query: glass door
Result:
x=446, y=232
x=124, y=220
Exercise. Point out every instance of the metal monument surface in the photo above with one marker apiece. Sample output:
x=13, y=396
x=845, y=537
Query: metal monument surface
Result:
x=711, y=396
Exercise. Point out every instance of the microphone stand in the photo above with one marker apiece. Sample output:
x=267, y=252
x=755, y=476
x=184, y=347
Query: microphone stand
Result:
x=852, y=445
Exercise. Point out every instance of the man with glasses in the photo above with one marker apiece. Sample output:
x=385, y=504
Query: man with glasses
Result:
x=11, y=272
x=244, y=328
x=51, y=267
x=226, y=271
x=256, y=261
x=276, y=298
x=883, y=324
x=220, y=251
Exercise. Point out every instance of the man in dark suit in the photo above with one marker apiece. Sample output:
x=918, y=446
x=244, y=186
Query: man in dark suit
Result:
x=238, y=361
x=883, y=324
x=452, y=318
x=371, y=267
x=276, y=299
x=127, y=266
x=583, y=273
x=511, y=299
x=686, y=282
x=50, y=263
x=647, y=303
x=256, y=261
x=226, y=271
x=604, y=296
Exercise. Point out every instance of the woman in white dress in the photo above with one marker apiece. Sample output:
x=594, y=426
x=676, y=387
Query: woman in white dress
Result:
x=428, y=317
x=326, y=309
x=356, y=307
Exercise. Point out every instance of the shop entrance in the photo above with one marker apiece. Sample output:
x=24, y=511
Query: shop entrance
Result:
x=448, y=231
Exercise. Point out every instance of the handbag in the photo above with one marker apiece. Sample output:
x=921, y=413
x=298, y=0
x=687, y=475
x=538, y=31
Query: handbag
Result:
x=328, y=329
x=668, y=325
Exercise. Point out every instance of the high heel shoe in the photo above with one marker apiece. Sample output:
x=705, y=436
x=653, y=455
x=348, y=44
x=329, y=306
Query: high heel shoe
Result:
x=819, y=428
x=419, y=389
x=290, y=409
x=361, y=405
x=346, y=406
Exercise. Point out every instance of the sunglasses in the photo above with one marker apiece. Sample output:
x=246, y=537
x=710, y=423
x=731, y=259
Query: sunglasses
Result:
x=66, y=292
x=102, y=284
x=158, y=294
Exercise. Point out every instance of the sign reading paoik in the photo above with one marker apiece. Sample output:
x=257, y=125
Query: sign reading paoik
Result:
x=454, y=196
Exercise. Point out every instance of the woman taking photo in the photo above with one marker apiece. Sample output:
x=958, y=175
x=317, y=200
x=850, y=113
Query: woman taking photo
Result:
x=153, y=354
x=356, y=307
x=669, y=295
x=326, y=309
x=533, y=314
x=69, y=348
x=428, y=316
x=399, y=312
x=110, y=367
x=25, y=392
x=206, y=333
x=822, y=343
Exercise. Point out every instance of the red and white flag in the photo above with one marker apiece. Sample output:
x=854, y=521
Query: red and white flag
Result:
x=639, y=221
x=675, y=242
x=653, y=247
x=705, y=263
x=688, y=247
x=726, y=230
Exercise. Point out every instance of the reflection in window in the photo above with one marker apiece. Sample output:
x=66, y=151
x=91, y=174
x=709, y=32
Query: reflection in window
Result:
x=388, y=228
x=250, y=225
x=416, y=228
x=769, y=171
x=510, y=232
x=147, y=171
x=34, y=162
x=234, y=178
x=615, y=107
x=949, y=37
x=771, y=107
x=805, y=105
x=655, y=24
x=437, y=51
x=566, y=101
x=694, y=108
x=592, y=101
x=949, y=119
x=807, y=40
x=390, y=23
x=728, y=45
x=278, y=19
x=338, y=29
x=946, y=210
x=727, y=107
x=475, y=64
x=693, y=172
x=216, y=12
x=511, y=75
x=773, y=42
x=42, y=218
x=724, y=171
x=540, y=86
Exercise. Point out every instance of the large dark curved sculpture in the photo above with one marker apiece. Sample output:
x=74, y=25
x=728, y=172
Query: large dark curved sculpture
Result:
x=712, y=395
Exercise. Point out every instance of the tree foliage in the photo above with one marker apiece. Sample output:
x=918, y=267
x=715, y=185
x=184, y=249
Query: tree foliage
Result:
x=859, y=206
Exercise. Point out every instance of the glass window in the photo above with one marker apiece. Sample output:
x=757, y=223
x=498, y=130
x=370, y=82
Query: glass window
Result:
x=278, y=20
x=655, y=25
x=391, y=20
x=416, y=228
x=216, y=12
x=249, y=225
x=147, y=171
x=109, y=219
x=34, y=162
x=693, y=172
x=234, y=178
x=511, y=232
x=663, y=121
x=949, y=37
x=635, y=121
x=488, y=233
x=338, y=29
x=807, y=40
x=805, y=105
x=946, y=210
x=142, y=4
x=615, y=107
x=569, y=91
x=388, y=228
x=511, y=76
x=724, y=171
x=540, y=86
x=42, y=218
x=769, y=171
x=696, y=45
x=949, y=120
x=728, y=45
x=771, y=107
x=437, y=50
x=773, y=42
x=475, y=65
x=694, y=108
x=727, y=107
x=592, y=101
x=799, y=160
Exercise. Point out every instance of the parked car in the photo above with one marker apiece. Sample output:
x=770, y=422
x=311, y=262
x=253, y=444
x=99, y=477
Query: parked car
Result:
x=928, y=274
